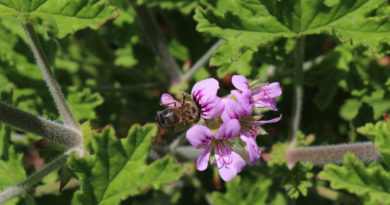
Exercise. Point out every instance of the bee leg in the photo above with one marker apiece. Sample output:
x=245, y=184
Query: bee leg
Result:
x=183, y=100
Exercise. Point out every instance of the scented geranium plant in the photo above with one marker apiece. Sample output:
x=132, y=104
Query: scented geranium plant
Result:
x=81, y=81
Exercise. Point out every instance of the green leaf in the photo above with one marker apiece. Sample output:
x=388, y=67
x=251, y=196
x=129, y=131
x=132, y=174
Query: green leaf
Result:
x=184, y=6
x=359, y=179
x=329, y=74
x=250, y=23
x=350, y=109
x=11, y=171
x=83, y=103
x=117, y=169
x=378, y=102
x=65, y=16
x=242, y=67
x=380, y=135
x=125, y=57
x=296, y=180
x=244, y=191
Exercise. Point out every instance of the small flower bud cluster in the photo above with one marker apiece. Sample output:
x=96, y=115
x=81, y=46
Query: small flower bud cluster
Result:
x=238, y=124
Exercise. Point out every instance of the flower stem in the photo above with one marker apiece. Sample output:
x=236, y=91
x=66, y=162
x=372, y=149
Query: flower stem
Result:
x=298, y=85
x=15, y=191
x=364, y=151
x=156, y=40
x=53, y=131
x=55, y=90
x=201, y=61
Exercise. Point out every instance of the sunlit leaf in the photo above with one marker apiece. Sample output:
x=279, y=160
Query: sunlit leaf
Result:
x=249, y=24
x=66, y=16
x=356, y=178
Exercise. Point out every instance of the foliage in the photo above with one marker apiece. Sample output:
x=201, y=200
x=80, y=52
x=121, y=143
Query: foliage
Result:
x=112, y=79
x=359, y=179
x=116, y=161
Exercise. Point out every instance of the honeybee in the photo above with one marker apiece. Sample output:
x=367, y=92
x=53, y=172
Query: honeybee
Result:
x=179, y=115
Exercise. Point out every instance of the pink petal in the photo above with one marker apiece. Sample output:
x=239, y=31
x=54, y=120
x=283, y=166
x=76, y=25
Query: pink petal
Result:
x=265, y=96
x=199, y=136
x=244, y=99
x=203, y=159
x=232, y=109
x=262, y=122
x=168, y=101
x=229, y=129
x=208, y=87
x=205, y=94
x=211, y=108
x=252, y=148
x=229, y=163
x=240, y=82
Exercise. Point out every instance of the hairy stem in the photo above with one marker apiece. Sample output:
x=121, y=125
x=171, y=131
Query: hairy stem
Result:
x=54, y=88
x=15, y=191
x=364, y=151
x=53, y=131
x=201, y=61
x=156, y=40
x=298, y=86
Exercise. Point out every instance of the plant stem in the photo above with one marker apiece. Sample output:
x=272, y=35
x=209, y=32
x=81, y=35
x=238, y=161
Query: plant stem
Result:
x=15, y=191
x=298, y=85
x=334, y=195
x=54, y=88
x=53, y=131
x=156, y=40
x=364, y=151
x=201, y=61
x=53, y=188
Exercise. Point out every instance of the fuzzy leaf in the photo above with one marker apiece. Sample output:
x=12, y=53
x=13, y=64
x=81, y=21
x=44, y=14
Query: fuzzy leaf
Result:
x=65, y=16
x=117, y=169
x=251, y=23
x=380, y=135
x=355, y=177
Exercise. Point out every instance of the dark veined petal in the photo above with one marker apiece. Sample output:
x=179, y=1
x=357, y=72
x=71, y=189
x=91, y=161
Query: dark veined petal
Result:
x=229, y=129
x=205, y=94
x=199, y=136
x=244, y=99
x=232, y=110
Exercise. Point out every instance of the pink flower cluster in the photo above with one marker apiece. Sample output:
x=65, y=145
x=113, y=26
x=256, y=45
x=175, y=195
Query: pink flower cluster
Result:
x=239, y=123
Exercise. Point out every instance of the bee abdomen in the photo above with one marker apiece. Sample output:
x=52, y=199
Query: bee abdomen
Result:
x=167, y=118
